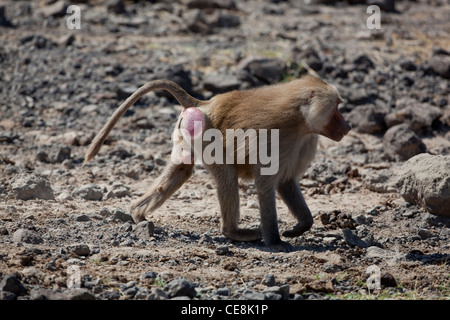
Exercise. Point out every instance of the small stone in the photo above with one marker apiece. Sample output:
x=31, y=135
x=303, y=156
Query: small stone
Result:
x=283, y=291
x=222, y=250
x=105, y=212
x=80, y=217
x=116, y=6
x=4, y=21
x=89, y=192
x=63, y=154
x=144, y=230
x=122, y=215
x=269, y=280
x=79, y=294
x=64, y=196
x=26, y=236
x=352, y=239
x=441, y=65
x=180, y=287
x=157, y=294
x=118, y=191
x=80, y=249
x=220, y=82
x=223, y=291
x=148, y=275
x=267, y=70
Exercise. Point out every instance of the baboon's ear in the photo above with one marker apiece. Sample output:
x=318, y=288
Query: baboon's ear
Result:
x=312, y=94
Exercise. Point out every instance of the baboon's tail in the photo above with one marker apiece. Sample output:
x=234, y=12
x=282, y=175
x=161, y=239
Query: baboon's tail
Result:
x=185, y=99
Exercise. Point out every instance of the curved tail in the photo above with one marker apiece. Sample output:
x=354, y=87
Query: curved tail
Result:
x=186, y=100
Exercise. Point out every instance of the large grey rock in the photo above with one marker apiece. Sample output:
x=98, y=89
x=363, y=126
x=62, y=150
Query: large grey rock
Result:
x=425, y=180
x=30, y=186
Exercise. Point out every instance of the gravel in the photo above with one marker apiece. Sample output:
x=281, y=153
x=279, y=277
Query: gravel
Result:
x=61, y=222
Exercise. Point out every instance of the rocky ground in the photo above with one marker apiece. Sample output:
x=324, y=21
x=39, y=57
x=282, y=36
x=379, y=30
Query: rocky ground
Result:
x=65, y=230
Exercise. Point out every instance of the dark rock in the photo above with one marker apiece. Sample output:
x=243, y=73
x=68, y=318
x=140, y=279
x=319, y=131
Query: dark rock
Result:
x=80, y=249
x=385, y=5
x=353, y=240
x=220, y=82
x=116, y=6
x=363, y=62
x=124, y=91
x=63, y=154
x=4, y=22
x=222, y=250
x=175, y=73
x=122, y=215
x=6, y=295
x=223, y=291
x=211, y=4
x=206, y=21
x=180, y=287
x=269, y=280
x=42, y=156
x=266, y=70
x=226, y=20
x=388, y=280
x=407, y=65
x=308, y=56
x=37, y=41
x=11, y=284
x=157, y=294
x=401, y=143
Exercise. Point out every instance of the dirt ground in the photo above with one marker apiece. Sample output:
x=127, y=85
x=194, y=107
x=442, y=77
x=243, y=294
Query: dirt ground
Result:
x=57, y=93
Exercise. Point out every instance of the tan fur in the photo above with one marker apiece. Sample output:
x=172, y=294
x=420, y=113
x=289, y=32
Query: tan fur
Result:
x=299, y=109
